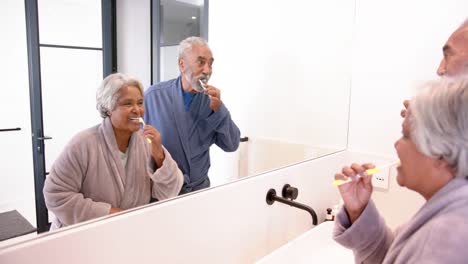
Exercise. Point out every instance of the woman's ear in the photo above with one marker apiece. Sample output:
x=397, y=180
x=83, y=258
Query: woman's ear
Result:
x=442, y=164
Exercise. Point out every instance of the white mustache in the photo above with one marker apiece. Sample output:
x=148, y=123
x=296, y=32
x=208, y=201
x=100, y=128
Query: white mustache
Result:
x=204, y=78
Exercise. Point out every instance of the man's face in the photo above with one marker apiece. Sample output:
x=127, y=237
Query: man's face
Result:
x=455, y=59
x=196, y=65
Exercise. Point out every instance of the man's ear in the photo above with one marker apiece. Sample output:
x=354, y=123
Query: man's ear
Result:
x=181, y=65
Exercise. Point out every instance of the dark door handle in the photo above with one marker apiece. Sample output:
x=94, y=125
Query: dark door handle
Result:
x=10, y=129
x=44, y=138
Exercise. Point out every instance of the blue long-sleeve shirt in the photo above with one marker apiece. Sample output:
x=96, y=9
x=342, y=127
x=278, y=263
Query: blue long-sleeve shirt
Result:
x=188, y=135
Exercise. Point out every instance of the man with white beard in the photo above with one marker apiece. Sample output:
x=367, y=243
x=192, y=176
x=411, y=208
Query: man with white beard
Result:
x=455, y=60
x=455, y=50
x=189, y=114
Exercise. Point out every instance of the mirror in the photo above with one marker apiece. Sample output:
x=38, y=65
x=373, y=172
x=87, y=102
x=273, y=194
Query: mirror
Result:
x=283, y=69
x=284, y=74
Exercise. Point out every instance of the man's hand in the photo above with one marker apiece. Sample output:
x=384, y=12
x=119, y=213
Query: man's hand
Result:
x=215, y=97
x=403, y=112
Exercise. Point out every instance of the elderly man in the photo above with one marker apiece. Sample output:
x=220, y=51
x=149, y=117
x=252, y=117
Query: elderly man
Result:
x=190, y=115
x=455, y=60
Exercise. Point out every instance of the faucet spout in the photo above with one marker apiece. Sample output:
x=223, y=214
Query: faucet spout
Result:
x=271, y=198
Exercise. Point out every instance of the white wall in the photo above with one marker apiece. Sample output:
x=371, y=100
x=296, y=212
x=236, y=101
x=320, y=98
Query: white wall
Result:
x=284, y=68
x=397, y=44
x=284, y=72
x=134, y=39
x=16, y=167
x=260, y=155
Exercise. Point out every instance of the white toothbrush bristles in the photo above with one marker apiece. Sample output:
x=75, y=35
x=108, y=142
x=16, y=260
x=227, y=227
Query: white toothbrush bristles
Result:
x=143, y=123
x=202, y=84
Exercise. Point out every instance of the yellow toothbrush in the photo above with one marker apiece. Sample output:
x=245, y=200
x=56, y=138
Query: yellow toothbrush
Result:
x=368, y=172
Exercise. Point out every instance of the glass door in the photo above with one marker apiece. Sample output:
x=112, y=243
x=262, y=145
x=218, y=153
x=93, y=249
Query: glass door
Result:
x=69, y=46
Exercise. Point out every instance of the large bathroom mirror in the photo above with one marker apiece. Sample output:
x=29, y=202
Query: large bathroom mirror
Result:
x=284, y=69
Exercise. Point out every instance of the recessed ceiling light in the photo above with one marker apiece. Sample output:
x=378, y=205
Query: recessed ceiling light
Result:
x=194, y=17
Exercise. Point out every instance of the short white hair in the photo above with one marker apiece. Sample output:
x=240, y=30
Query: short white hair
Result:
x=439, y=121
x=186, y=45
x=108, y=92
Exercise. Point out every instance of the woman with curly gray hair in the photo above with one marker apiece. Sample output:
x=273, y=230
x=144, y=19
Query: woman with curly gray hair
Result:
x=433, y=152
x=114, y=165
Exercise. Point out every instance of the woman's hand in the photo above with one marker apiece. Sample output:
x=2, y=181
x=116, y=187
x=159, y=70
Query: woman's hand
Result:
x=355, y=194
x=114, y=210
x=157, y=151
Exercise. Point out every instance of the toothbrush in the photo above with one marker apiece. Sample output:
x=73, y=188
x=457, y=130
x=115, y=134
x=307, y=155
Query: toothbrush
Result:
x=143, y=123
x=202, y=84
x=368, y=172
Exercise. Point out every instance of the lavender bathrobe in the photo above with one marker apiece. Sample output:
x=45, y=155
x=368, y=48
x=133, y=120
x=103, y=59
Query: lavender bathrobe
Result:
x=438, y=233
x=88, y=178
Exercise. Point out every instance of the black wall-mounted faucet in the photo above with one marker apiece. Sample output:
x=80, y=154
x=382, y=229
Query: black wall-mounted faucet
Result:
x=271, y=198
x=289, y=192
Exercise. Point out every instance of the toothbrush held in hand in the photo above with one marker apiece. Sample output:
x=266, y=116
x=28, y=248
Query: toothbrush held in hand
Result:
x=202, y=84
x=143, y=123
x=368, y=172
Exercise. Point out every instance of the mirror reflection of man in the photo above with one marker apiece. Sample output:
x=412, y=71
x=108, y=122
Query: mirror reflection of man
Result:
x=190, y=115
x=455, y=50
x=455, y=60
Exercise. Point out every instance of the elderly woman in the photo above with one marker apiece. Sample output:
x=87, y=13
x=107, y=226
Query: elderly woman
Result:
x=112, y=166
x=433, y=152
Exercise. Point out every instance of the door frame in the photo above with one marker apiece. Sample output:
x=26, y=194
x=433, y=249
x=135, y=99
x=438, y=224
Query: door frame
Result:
x=109, y=52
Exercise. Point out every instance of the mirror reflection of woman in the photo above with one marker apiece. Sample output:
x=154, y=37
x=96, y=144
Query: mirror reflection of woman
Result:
x=433, y=151
x=112, y=166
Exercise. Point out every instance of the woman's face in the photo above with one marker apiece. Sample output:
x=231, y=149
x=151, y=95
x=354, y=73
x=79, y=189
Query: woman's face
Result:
x=415, y=167
x=129, y=105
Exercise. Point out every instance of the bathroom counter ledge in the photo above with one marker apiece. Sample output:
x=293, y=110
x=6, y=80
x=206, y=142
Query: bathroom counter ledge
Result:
x=314, y=246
